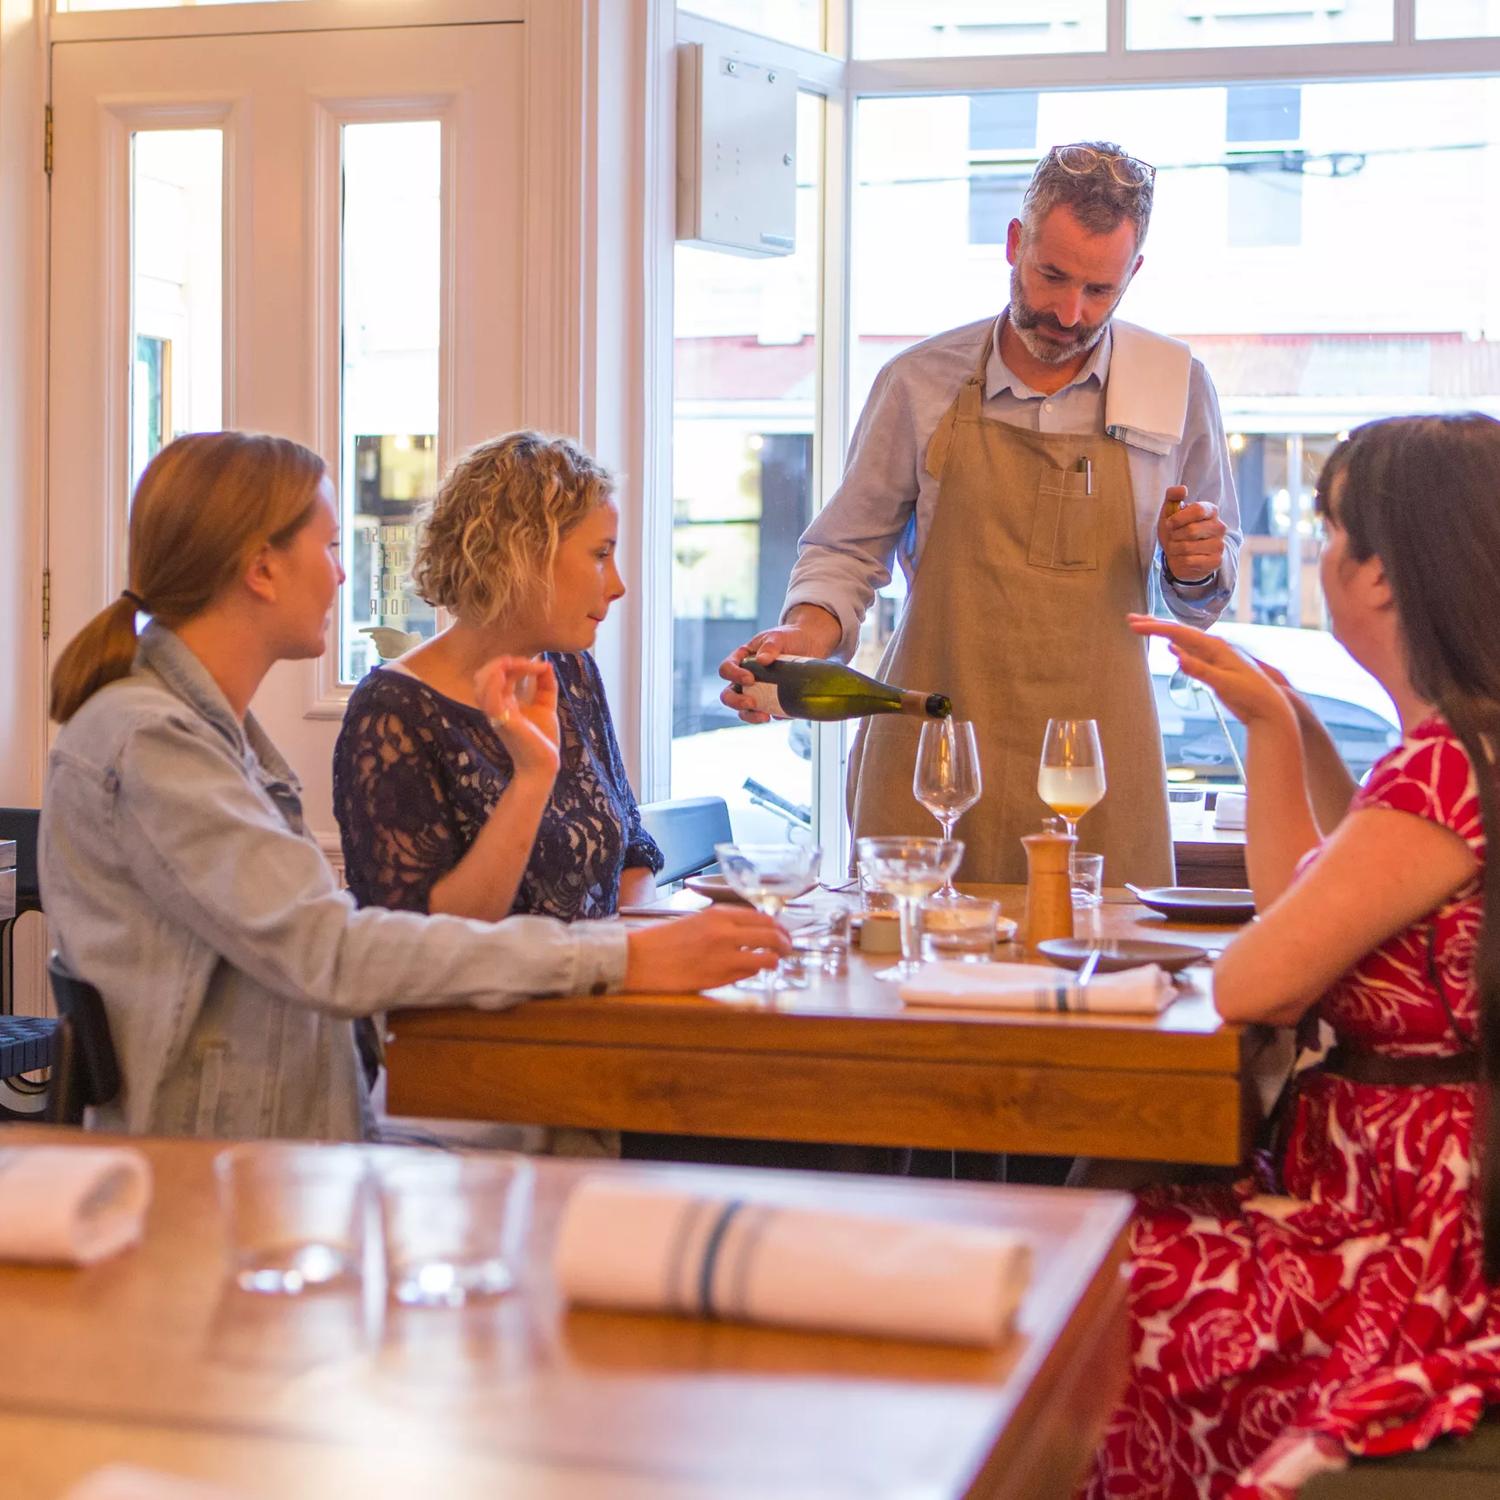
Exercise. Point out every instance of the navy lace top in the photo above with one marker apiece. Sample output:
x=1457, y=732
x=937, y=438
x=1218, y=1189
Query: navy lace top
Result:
x=415, y=774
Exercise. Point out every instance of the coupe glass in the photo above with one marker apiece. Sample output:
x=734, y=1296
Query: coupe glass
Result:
x=910, y=870
x=947, y=781
x=1071, y=777
x=768, y=876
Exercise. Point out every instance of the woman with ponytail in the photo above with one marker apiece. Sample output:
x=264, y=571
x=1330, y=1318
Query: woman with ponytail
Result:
x=178, y=876
x=1343, y=1297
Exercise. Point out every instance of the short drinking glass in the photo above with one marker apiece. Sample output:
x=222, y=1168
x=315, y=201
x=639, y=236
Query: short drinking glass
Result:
x=294, y=1216
x=454, y=1226
x=959, y=928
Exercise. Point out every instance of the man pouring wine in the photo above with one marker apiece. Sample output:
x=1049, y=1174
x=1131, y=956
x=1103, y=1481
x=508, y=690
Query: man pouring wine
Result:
x=1029, y=473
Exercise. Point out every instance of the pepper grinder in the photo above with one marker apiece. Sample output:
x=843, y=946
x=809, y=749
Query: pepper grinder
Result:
x=1049, y=886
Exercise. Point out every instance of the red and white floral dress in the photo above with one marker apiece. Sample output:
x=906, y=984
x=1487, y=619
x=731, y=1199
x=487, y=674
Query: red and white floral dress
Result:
x=1270, y=1334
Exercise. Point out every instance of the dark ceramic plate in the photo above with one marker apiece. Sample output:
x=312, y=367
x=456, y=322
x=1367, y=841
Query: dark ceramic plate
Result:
x=1120, y=953
x=1196, y=903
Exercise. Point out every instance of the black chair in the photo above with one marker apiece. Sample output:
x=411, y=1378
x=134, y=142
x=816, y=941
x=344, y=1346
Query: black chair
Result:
x=86, y=1071
x=1451, y=1469
x=27, y=1045
x=18, y=824
x=686, y=830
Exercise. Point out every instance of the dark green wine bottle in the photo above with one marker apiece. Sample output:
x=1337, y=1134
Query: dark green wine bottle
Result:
x=805, y=687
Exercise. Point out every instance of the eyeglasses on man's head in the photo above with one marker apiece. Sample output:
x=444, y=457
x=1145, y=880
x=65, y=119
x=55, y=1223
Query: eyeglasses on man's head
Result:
x=1083, y=161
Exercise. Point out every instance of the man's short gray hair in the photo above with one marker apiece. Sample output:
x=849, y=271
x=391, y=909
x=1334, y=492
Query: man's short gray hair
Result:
x=1092, y=190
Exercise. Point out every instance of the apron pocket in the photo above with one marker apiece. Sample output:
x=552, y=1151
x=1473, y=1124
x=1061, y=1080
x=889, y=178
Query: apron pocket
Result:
x=1064, y=524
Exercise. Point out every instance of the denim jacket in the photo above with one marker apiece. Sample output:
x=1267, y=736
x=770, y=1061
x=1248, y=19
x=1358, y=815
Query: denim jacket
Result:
x=179, y=879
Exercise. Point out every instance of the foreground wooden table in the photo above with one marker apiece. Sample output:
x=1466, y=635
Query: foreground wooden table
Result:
x=843, y=1062
x=154, y=1358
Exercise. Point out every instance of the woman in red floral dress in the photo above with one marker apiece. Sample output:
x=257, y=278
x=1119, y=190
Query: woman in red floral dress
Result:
x=1343, y=1299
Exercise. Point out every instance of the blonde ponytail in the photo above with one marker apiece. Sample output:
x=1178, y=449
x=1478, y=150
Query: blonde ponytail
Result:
x=204, y=506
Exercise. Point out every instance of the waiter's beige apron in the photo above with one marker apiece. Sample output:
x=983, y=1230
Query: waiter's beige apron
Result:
x=1017, y=612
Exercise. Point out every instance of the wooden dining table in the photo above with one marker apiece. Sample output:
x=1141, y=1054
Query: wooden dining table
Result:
x=154, y=1357
x=845, y=1061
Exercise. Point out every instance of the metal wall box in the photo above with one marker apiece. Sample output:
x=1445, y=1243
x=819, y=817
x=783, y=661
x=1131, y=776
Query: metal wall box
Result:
x=736, y=153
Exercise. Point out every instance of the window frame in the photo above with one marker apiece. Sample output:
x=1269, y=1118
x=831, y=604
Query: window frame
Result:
x=844, y=81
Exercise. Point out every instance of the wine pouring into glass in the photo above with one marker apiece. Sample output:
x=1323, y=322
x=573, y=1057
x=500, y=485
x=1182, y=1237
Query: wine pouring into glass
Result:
x=947, y=780
x=1070, y=779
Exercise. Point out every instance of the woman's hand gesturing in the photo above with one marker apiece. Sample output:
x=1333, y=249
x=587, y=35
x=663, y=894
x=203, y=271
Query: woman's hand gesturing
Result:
x=520, y=696
x=1252, y=693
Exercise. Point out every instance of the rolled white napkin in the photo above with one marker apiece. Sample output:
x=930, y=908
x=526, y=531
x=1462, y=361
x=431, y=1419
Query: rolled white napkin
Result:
x=1145, y=990
x=130, y=1482
x=71, y=1205
x=1229, y=810
x=649, y=1248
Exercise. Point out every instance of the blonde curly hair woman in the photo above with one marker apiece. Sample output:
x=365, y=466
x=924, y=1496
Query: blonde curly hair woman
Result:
x=479, y=774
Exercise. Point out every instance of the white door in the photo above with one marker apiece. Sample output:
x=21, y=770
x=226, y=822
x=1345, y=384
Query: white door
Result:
x=316, y=234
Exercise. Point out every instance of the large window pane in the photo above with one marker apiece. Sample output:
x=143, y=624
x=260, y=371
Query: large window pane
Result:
x=177, y=288
x=391, y=286
x=950, y=28
x=1272, y=252
x=1440, y=18
x=1256, y=23
x=746, y=403
x=797, y=21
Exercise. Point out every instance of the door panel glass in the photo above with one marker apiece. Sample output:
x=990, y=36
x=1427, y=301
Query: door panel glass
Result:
x=1256, y=23
x=391, y=289
x=969, y=28
x=742, y=455
x=177, y=288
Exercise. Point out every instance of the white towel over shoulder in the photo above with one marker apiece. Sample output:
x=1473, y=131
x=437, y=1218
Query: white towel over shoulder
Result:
x=1146, y=400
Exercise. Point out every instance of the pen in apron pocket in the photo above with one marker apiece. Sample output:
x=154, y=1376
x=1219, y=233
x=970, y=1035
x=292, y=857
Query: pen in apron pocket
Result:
x=1086, y=468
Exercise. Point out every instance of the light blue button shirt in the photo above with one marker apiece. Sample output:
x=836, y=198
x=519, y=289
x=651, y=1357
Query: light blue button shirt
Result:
x=883, y=509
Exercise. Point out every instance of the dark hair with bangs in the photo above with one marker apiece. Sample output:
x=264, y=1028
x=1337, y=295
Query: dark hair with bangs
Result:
x=1423, y=495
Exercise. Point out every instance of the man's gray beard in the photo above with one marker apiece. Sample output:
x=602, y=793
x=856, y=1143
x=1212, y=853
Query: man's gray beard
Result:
x=1056, y=354
x=1037, y=348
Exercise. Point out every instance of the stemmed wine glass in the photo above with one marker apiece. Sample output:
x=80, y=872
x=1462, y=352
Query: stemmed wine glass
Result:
x=1071, y=777
x=909, y=869
x=768, y=876
x=946, y=780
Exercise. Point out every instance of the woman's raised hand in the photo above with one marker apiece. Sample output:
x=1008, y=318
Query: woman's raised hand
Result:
x=719, y=946
x=519, y=694
x=1254, y=694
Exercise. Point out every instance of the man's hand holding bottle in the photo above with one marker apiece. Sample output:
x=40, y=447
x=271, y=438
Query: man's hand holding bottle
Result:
x=809, y=630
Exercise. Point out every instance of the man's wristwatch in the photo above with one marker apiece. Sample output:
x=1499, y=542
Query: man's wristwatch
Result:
x=1185, y=583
